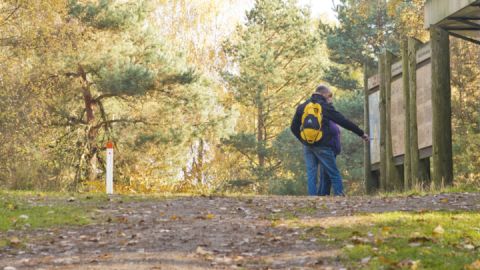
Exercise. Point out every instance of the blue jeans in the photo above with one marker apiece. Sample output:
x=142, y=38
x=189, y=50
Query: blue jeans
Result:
x=315, y=155
x=325, y=184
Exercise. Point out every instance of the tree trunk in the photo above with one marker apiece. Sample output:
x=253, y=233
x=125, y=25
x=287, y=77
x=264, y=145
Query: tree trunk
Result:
x=91, y=132
x=441, y=108
x=407, y=161
x=260, y=136
x=393, y=176
x=200, y=151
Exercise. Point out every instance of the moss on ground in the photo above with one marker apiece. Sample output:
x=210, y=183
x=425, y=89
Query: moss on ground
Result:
x=400, y=240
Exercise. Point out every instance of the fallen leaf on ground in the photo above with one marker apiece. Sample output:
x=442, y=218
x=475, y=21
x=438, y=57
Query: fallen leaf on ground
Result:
x=105, y=256
x=473, y=266
x=410, y=264
x=366, y=260
x=386, y=260
x=359, y=240
x=14, y=241
x=386, y=230
x=203, y=251
x=223, y=260
x=438, y=231
x=419, y=239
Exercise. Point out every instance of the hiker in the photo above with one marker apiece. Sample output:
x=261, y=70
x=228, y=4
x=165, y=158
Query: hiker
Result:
x=310, y=126
x=325, y=184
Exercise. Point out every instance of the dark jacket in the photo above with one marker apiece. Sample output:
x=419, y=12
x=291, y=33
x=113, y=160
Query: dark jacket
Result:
x=335, y=141
x=329, y=113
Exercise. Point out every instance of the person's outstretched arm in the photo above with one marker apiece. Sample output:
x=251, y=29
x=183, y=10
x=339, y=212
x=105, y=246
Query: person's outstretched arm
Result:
x=331, y=114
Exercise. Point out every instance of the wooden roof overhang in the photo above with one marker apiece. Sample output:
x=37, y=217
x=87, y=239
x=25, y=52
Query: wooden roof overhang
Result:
x=461, y=18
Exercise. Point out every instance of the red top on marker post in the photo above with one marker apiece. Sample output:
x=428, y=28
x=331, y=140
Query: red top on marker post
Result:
x=109, y=145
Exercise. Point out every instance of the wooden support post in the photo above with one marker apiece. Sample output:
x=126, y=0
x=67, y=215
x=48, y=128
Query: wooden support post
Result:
x=441, y=108
x=407, y=161
x=392, y=171
x=383, y=123
x=413, y=45
x=367, y=169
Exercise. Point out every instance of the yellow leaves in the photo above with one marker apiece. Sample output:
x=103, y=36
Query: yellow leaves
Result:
x=386, y=230
x=207, y=216
x=408, y=264
x=404, y=264
x=392, y=7
x=473, y=266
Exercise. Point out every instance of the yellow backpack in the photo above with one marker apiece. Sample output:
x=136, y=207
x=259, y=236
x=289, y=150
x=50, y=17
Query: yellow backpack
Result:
x=311, y=128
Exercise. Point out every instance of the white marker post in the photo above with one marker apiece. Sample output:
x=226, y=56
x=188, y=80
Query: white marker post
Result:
x=109, y=183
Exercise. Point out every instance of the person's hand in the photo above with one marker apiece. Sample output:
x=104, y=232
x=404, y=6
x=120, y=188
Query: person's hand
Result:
x=365, y=137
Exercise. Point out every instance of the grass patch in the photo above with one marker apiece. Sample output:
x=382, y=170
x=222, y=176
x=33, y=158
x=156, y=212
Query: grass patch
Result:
x=34, y=209
x=399, y=240
x=431, y=189
x=24, y=211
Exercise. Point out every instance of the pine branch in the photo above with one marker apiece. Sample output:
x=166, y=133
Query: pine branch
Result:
x=110, y=122
x=11, y=14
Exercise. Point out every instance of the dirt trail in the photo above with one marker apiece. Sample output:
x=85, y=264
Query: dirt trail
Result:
x=206, y=233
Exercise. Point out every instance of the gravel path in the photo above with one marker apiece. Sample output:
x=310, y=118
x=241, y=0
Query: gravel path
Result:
x=206, y=233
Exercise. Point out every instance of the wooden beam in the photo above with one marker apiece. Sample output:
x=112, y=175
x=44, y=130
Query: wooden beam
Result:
x=407, y=161
x=441, y=108
x=468, y=23
x=413, y=46
x=438, y=10
x=464, y=18
x=393, y=177
x=383, y=121
x=370, y=186
x=461, y=28
x=465, y=38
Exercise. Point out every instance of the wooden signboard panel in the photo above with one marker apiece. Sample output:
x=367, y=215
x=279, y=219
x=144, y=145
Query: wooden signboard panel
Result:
x=374, y=117
x=374, y=124
x=424, y=107
x=398, y=116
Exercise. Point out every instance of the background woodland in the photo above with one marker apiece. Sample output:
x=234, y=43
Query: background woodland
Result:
x=195, y=97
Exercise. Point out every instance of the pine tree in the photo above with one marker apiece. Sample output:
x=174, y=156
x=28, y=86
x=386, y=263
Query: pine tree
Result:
x=134, y=65
x=275, y=65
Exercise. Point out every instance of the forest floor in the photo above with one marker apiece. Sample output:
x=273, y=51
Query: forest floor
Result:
x=221, y=232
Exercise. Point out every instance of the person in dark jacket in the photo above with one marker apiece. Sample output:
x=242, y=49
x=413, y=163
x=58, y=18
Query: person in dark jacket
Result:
x=321, y=152
x=325, y=184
